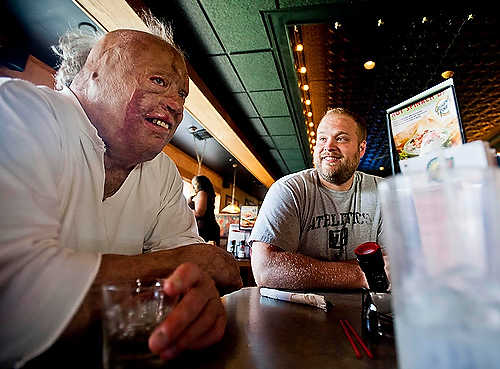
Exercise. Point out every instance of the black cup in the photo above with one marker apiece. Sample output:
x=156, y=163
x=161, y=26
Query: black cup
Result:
x=371, y=261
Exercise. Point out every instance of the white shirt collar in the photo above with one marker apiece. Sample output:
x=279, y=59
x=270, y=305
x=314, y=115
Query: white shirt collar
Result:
x=87, y=127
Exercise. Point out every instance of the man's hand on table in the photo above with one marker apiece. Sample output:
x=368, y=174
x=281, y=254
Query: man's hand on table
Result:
x=199, y=318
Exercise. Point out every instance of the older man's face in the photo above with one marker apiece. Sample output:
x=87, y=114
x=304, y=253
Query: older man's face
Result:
x=338, y=150
x=142, y=89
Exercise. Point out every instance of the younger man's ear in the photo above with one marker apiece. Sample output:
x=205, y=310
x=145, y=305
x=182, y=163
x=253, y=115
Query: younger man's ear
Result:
x=362, y=148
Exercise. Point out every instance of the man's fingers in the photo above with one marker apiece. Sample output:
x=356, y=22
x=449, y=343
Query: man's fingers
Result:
x=182, y=279
x=196, y=312
x=211, y=336
x=184, y=313
x=189, y=308
x=204, y=325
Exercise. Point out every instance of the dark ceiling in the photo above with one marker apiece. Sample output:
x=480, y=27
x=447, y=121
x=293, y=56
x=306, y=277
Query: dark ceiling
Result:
x=410, y=52
x=31, y=27
x=243, y=51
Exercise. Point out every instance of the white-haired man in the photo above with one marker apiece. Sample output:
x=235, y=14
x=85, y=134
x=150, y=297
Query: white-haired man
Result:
x=88, y=197
x=311, y=221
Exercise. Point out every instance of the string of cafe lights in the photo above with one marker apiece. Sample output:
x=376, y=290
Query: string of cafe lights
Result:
x=303, y=84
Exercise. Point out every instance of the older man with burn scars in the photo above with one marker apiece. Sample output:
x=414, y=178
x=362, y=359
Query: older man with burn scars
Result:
x=88, y=197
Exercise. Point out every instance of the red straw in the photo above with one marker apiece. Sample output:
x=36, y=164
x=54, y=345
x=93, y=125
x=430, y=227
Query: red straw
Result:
x=354, y=347
x=367, y=350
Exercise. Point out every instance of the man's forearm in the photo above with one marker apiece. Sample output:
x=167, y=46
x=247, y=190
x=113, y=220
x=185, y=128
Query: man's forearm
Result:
x=297, y=271
x=219, y=264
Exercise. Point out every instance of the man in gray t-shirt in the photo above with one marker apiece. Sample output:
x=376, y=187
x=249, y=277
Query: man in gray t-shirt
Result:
x=311, y=221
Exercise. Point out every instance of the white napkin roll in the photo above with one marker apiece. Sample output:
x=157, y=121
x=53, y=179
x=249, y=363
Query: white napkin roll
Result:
x=300, y=298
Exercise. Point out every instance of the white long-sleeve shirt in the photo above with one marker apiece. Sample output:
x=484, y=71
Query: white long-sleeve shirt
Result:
x=54, y=225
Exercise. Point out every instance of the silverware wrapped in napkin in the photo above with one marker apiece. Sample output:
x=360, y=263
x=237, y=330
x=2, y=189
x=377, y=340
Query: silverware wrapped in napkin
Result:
x=312, y=299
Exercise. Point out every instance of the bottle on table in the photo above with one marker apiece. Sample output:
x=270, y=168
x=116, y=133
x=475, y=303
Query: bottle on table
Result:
x=232, y=248
x=247, y=251
x=241, y=250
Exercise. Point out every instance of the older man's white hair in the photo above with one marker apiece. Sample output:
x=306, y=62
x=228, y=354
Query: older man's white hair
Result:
x=75, y=45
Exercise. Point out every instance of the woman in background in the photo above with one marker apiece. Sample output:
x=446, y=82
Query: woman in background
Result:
x=203, y=204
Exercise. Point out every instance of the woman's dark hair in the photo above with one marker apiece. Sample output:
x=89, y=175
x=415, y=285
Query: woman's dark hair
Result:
x=202, y=183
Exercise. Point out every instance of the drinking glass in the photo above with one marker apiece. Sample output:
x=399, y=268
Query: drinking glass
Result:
x=131, y=311
x=443, y=241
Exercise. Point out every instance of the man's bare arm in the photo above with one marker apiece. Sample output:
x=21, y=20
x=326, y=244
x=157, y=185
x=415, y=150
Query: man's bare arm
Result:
x=275, y=268
x=218, y=263
x=215, y=262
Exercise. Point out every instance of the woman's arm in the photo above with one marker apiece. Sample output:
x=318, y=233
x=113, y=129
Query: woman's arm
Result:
x=200, y=204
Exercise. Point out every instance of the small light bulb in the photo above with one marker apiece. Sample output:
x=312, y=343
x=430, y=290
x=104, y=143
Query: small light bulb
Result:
x=311, y=124
x=299, y=47
x=305, y=87
x=310, y=114
x=312, y=134
x=303, y=70
x=370, y=64
x=308, y=102
x=447, y=74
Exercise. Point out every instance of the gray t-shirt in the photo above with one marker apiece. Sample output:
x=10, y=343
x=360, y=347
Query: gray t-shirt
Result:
x=301, y=215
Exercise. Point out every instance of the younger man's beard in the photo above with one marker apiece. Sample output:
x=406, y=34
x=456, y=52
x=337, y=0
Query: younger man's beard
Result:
x=341, y=174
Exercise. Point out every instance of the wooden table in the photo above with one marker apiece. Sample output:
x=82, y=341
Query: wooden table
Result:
x=261, y=333
x=266, y=333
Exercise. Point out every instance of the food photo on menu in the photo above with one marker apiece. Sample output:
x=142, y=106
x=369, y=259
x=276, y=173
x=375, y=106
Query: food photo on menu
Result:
x=426, y=125
x=248, y=216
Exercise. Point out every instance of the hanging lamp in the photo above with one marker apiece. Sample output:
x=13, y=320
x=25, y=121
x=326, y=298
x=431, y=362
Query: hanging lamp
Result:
x=232, y=208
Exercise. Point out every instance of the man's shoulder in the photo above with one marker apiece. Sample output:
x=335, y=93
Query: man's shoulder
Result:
x=8, y=82
x=13, y=85
x=296, y=185
x=304, y=177
x=367, y=183
x=161, y=162
x=368, y=178
x=15, y=90
x=159, y=176
x=162, y=167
